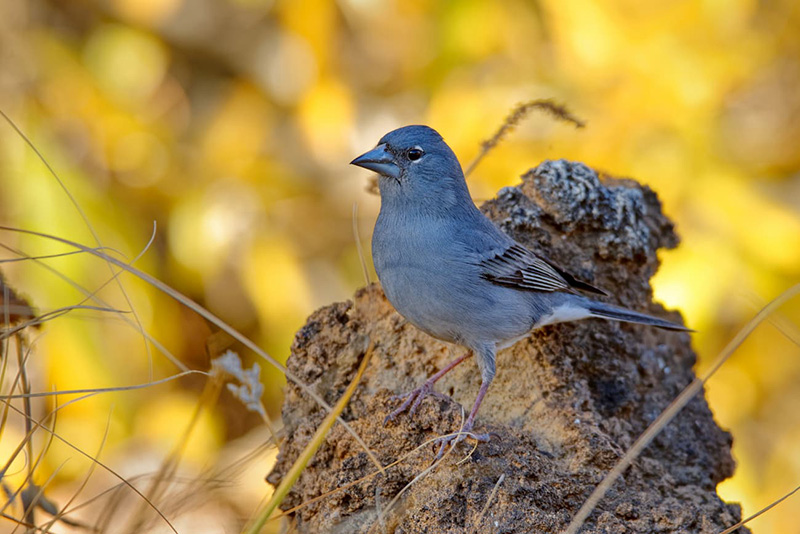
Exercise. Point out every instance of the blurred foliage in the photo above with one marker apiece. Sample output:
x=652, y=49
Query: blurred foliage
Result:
x=230, y=124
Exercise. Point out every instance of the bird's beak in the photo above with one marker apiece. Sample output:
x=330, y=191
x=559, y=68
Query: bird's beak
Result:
x=379, y=160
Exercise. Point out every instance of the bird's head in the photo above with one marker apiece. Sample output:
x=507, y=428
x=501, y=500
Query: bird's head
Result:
x=415, y=162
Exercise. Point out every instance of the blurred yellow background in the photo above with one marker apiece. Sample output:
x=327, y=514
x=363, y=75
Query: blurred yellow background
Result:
x=231, y=124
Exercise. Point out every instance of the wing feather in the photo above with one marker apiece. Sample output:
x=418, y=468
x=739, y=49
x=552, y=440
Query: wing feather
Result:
x=520, y=268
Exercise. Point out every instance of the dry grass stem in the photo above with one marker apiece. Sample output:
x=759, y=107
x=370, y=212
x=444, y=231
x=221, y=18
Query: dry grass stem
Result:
x=169, y=466
x=729, y=530
x=488, y=503
x=672, y=410
x=308, y=452
x=516, y=116
x=90, y=227
x=119, y=477
x=93, y=295
x=381, y=518
x=203, y=312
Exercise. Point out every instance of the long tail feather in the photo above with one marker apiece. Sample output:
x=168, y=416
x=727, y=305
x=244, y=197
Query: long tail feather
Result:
x=606, y=311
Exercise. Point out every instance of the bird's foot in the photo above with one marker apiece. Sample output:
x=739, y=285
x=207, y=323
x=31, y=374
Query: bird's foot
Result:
x=412, y=399
x=453, y=439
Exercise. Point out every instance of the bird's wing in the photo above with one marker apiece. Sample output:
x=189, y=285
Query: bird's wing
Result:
x=517, y=267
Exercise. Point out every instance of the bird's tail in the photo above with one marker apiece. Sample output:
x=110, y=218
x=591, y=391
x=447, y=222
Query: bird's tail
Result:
x=607, y=311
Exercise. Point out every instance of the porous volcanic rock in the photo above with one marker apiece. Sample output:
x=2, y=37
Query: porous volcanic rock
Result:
x=565, y=405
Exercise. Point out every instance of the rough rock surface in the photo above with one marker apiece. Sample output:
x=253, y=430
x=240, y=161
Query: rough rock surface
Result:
x=565, y=405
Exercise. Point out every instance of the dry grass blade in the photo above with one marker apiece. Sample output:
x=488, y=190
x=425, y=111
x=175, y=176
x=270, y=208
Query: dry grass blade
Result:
x=33, y=498
x=93, y=295
x=672, y=410
x=48, y=256
x=308, y=452
x=95, y=391
x=29, y=526
x=11, y=496
x=55, y=314
x=61, y=514
x=381, y=518
x=119, y=477
x=762, y=511
x=516, y=116
x=488, y=503
x=439, y=460
x=192, y=305
x=88, y=224
x=169, y=466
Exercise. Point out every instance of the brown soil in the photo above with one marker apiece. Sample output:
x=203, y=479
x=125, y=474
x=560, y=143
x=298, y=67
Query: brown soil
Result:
x=564, y=407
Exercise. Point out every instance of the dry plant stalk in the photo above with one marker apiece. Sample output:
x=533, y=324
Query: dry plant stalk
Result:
x=169, y=467
x=203, y=312
x=674, y=408
x=764, y=510
x=316, y=442
x=516, y=116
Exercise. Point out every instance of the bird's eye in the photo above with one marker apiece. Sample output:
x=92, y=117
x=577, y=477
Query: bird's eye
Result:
x=414, y=154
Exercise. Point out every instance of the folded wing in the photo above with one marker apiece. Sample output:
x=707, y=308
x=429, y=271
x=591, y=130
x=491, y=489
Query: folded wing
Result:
x=519, y=268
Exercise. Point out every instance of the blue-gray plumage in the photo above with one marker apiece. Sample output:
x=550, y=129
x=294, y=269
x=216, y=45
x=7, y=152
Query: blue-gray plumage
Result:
x=452, y=273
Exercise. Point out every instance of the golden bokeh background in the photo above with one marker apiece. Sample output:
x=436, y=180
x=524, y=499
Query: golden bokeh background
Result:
x=230, y=124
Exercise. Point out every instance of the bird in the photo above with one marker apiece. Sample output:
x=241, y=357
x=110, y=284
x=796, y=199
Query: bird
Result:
x=452, y=273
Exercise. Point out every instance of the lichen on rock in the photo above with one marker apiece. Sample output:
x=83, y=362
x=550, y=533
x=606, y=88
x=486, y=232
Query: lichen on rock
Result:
x=564, y=407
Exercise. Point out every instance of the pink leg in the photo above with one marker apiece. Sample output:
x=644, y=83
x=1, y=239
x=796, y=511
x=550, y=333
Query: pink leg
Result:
x=478, y=400
x=468, y=424
x=413, y=398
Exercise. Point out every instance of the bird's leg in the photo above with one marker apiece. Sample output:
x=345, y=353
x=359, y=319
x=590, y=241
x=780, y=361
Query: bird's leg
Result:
x=467, y=428
x=486, y=362
x=414, y=397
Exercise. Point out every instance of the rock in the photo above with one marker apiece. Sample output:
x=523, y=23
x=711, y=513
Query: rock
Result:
x=564, y=407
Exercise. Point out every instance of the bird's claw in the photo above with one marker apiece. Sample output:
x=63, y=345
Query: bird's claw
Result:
x=411, y=400
x=454, y=439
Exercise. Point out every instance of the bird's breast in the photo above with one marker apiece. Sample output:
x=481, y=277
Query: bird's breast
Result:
x=415, y=266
